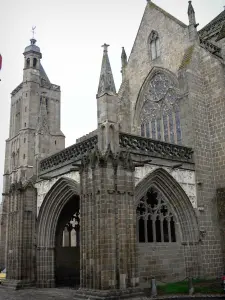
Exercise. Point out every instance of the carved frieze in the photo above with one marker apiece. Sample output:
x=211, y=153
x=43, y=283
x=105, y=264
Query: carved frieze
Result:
x=68, y=155
x=155, y=148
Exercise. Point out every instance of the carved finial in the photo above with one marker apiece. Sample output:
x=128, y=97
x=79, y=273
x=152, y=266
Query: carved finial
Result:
x=123, y=60
x=124, y=55
x=191, y=14
x=190, y=8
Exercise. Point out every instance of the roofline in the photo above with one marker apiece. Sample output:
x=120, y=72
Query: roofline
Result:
x=210, y=23
x=151, y=4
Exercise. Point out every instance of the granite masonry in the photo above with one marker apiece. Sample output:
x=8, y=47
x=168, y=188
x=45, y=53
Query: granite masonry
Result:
x=140, y=197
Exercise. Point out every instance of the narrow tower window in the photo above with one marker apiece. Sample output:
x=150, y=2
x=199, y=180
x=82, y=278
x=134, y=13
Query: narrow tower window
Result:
x=154, y=45
x=28, y=63
x=34, y=62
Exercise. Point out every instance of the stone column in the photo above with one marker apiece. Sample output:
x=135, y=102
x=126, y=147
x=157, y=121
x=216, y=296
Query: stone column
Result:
x=21, y=225
x=108, y=225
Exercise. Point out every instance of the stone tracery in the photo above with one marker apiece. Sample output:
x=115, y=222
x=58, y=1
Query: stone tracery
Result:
x=159, y=115
x=155, y=220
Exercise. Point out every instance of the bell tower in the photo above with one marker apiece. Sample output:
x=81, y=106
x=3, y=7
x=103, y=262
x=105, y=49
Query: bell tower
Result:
x=34, y=133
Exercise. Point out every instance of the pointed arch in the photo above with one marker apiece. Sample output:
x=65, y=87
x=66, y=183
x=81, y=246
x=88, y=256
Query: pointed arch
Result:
x=54, y=202
x=140, y=99
x=157, y=111
x=176, y=199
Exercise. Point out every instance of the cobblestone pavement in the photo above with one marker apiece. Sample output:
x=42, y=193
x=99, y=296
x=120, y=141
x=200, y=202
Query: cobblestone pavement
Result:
x=58, y=294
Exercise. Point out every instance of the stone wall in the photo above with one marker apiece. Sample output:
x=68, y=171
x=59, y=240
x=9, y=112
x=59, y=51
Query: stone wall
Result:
x=206, y=106
x=174, y=39
x=164, y=262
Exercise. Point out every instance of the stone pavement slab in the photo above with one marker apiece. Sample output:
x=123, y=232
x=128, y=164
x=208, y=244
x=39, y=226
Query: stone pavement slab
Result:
x=36, y=294
x=66, y=293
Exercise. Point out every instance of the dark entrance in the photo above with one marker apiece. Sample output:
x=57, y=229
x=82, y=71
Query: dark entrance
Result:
x=67, y=256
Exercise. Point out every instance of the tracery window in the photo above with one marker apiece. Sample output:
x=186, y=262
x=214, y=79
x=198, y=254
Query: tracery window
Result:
x=71, y=232
x=160, y=113
x=154, y=45
x=155, y=221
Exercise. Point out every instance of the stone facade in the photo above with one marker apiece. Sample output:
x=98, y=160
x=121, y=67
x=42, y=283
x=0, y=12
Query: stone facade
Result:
x=142, y=195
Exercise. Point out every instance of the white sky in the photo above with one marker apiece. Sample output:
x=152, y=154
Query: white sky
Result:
x=70, y=34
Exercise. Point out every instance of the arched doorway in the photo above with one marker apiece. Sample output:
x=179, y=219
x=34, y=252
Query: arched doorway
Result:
x=58, y=260
x=67, y=245
x=167, y=229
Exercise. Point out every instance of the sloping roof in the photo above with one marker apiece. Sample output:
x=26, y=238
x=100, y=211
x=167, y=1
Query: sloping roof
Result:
x=214, y=27
x=43, y=74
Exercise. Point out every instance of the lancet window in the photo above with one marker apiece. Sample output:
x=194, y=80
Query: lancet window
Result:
x=71, y=232
x=154, y=45
x=155, y=221
x=160, y=113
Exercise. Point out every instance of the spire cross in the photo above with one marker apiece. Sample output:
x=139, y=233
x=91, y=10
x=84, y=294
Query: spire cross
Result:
x=33, y=32
x=105, y=46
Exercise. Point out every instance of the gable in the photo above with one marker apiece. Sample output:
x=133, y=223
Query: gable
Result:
x=173, y=38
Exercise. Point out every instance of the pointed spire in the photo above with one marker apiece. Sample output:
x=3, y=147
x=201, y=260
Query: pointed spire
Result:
x=106, y=81
x=191, y=14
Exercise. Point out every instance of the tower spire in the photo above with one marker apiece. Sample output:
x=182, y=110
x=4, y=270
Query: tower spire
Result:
x=106, y=81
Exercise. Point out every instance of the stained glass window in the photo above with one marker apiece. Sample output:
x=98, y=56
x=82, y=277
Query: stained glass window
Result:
x=160, y=110
x=153, y=129
x=165, y=124
x=178, y=129
x=171, y=127
x=159, y=129
x=142, y=130
x=147, y=130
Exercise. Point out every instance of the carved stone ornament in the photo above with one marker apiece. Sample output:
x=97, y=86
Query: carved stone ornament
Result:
x=96, y=158
x=155, y=148
x=70, y=154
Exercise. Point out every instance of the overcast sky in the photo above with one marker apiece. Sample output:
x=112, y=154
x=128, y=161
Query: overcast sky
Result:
x=70, y=34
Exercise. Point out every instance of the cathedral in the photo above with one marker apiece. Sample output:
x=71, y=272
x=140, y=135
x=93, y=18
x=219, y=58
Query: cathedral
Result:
x=143, y=195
